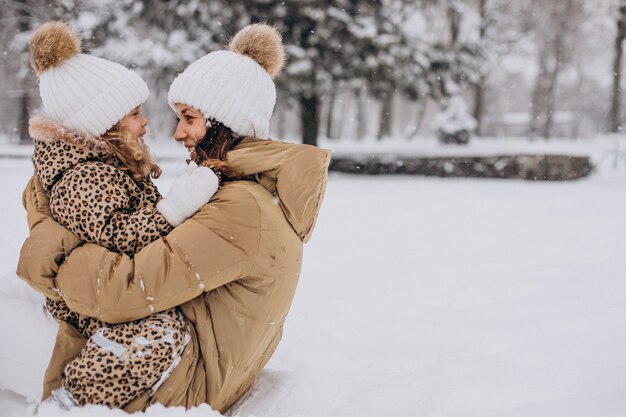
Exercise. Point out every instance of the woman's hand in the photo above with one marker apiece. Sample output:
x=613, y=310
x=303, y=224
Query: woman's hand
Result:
x=188, y=193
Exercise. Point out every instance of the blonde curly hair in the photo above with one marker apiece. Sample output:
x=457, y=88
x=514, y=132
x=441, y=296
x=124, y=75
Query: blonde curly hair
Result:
x=134, y=155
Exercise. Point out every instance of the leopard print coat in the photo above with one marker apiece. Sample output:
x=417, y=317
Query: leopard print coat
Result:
x=89, y=192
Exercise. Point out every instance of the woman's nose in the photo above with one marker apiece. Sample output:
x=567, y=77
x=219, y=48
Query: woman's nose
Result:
x=179, y=134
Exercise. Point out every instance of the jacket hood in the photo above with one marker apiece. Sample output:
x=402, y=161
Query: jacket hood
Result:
x=296, y=174
x=58, y=149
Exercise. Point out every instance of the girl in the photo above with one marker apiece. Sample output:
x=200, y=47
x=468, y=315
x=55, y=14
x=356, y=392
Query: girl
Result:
x=91, y=160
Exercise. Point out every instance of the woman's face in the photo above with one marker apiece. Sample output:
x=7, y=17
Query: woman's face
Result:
x=135, y=123
x=191, y=128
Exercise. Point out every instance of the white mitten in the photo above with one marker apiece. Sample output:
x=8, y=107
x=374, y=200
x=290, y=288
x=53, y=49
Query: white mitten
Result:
x=188, y=193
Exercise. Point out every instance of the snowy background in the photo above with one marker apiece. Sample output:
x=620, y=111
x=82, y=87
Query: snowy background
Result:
x=418, y=296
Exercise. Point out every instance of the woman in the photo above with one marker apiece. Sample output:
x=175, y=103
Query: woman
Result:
x=90, y=158
x=233, y=267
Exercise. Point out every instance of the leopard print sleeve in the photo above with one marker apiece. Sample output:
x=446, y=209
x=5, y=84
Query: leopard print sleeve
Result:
x=102, y=204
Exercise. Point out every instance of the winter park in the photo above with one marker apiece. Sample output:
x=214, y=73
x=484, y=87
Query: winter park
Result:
x=313, y=208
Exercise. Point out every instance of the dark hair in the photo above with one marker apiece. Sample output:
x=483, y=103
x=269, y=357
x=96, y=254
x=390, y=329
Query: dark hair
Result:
x=211, y=151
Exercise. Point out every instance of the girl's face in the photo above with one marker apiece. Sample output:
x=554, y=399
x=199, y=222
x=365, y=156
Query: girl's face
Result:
x=135, y=123
x=191, y=128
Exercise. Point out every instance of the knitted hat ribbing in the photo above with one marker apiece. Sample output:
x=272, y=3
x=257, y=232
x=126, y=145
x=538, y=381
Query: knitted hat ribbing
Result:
x=80, y=91
x=235, y=87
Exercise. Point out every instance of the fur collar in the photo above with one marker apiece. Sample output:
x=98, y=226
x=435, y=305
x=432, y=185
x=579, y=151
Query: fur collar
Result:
x=44, y=129
x=58, y=149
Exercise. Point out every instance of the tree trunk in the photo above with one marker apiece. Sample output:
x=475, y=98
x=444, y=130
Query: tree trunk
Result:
x=281, y=122
x=454, y=23
x=360, y=113
x=341, y=122
x=479, y=89
x=384, y=129
x=310, y=118
x=24, y=101
x=553, y=75
x=419, y=118
x=548, y=124
x=329, y=115
x=24, y=116
x=615, y=117
x=539, y=95
x=479, y=105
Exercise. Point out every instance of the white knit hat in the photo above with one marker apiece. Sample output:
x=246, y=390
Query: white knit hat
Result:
x=81, y=91
x=235, y=87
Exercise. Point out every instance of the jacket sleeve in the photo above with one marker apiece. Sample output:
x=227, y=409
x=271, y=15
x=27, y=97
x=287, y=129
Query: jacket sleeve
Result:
x=216, y=246
x=94, y=201
x=48, y=244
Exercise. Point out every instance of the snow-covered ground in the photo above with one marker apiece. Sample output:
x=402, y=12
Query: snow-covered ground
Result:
x=432, y=297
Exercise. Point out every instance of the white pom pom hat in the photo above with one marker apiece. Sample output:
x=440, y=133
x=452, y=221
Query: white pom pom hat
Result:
x=235, y=87
x=80, y=91
x=91, y=94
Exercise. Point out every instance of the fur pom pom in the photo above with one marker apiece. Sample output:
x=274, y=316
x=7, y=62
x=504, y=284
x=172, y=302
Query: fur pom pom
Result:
x=52, y=44
x=263, y=43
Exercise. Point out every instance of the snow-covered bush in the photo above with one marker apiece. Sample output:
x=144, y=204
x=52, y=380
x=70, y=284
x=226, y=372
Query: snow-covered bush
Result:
x=454, y=124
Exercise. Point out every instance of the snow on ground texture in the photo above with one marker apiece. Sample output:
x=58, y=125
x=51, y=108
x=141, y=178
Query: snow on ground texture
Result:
x=432, y=297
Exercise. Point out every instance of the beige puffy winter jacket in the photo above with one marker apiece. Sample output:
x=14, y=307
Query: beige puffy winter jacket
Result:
x=233, y=268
